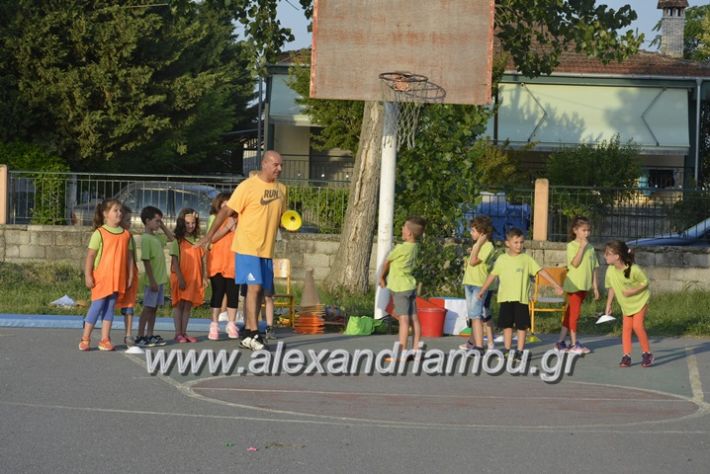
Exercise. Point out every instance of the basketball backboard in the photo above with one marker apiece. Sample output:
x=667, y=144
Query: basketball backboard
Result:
x=449, y=41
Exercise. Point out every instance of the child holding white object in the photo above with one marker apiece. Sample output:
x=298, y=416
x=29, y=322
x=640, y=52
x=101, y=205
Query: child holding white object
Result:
x=629, y=284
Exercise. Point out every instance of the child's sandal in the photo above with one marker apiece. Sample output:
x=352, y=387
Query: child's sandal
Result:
x=84, y=344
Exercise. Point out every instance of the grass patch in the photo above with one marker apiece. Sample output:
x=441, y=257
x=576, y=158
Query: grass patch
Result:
x=29, y=288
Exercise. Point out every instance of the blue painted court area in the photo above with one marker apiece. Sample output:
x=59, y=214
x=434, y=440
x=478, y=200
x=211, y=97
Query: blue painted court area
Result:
x=49, y=321
x=76, y=412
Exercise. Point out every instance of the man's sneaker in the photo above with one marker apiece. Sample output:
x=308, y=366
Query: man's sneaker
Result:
x=560, y=346
x=269, y=334
x=467, y=346
x=625, y=361
x=232, y=331
x=213, y=335
x=129, y=341
x=84, y=344
x=517, y=356
x=105, y=345
x=578, y=349
x=141, y=341
x=647, y=359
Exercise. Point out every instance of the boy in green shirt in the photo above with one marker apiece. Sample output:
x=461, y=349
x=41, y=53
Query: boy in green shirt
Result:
x=476, y=271
x=514, y=269
x=397, y=277
x=156, y=273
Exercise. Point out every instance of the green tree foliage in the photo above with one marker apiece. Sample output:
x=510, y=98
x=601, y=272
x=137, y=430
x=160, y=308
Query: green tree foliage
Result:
x=610, y=165
x=44, y=189
x=125, y=85
x=536, y=33
x=697, y=33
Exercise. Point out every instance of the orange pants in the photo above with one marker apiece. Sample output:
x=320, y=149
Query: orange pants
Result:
x=634, y=322
x=574, y=307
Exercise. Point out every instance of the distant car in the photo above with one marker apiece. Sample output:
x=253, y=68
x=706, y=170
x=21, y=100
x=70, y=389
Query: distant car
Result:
x=695, y=236
x=167, y=196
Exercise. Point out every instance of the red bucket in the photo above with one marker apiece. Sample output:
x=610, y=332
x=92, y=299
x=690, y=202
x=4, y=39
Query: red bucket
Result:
x=432, y=321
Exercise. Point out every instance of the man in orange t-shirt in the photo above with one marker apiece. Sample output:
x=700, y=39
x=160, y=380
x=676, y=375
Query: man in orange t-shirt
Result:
x=259, y=202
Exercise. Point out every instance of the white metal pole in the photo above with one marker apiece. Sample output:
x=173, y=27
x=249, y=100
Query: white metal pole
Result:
x=386, y=205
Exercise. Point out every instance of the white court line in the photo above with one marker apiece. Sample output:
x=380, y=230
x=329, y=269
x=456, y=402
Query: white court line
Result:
x=696, y=385
x=443, y=397
x=186, y=389
x=367, y=424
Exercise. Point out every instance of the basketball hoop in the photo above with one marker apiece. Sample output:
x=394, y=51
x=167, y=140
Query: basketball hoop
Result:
x=410, y=91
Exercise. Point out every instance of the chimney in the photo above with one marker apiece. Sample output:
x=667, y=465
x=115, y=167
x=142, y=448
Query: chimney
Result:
x=672, y=26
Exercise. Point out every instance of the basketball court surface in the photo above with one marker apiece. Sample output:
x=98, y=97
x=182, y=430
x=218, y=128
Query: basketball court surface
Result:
x=68, y=411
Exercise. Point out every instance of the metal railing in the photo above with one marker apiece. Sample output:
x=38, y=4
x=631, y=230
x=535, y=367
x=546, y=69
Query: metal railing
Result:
x=69, y=198
x=626, y=214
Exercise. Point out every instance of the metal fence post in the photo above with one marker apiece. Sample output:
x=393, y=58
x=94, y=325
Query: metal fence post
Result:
x=541, y=209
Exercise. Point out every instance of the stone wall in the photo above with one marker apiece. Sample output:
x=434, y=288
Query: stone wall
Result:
x=669, y=268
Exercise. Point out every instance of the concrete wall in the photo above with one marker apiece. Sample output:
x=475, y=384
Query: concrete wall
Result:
x=669, y=268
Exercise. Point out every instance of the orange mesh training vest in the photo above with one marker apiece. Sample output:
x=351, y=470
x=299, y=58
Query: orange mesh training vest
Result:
x=191, y=267
x=220, y=259
x=128, y=299
x=111, y=275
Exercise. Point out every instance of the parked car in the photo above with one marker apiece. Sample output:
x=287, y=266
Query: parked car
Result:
x=696, y=236
x=167, y=196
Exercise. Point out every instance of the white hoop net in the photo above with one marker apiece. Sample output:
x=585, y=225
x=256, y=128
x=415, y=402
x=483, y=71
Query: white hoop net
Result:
x=409, y=91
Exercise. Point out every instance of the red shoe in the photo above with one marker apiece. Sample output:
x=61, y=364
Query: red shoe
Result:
x=180, y=339
x=189, y=338
x=84, y=344
x=105, y=345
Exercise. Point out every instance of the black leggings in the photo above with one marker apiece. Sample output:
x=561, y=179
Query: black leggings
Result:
x=222, y=286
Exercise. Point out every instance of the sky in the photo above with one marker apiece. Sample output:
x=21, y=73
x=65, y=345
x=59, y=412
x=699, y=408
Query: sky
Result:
x=291, y=15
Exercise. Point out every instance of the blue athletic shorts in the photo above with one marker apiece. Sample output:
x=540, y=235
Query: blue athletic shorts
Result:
x=251, y=270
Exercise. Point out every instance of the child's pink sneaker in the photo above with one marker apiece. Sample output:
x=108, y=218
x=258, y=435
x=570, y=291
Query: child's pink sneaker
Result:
x=189, y=338
x=214, y=332
x=180, y=339
x=232, y=331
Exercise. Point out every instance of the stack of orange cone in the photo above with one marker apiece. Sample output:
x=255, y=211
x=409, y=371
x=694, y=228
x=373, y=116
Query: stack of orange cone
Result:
x=310, y=315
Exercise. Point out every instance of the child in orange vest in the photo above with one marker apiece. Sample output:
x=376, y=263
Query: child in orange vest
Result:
x=107, y=271
x=187, y=272
x=220, y=267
